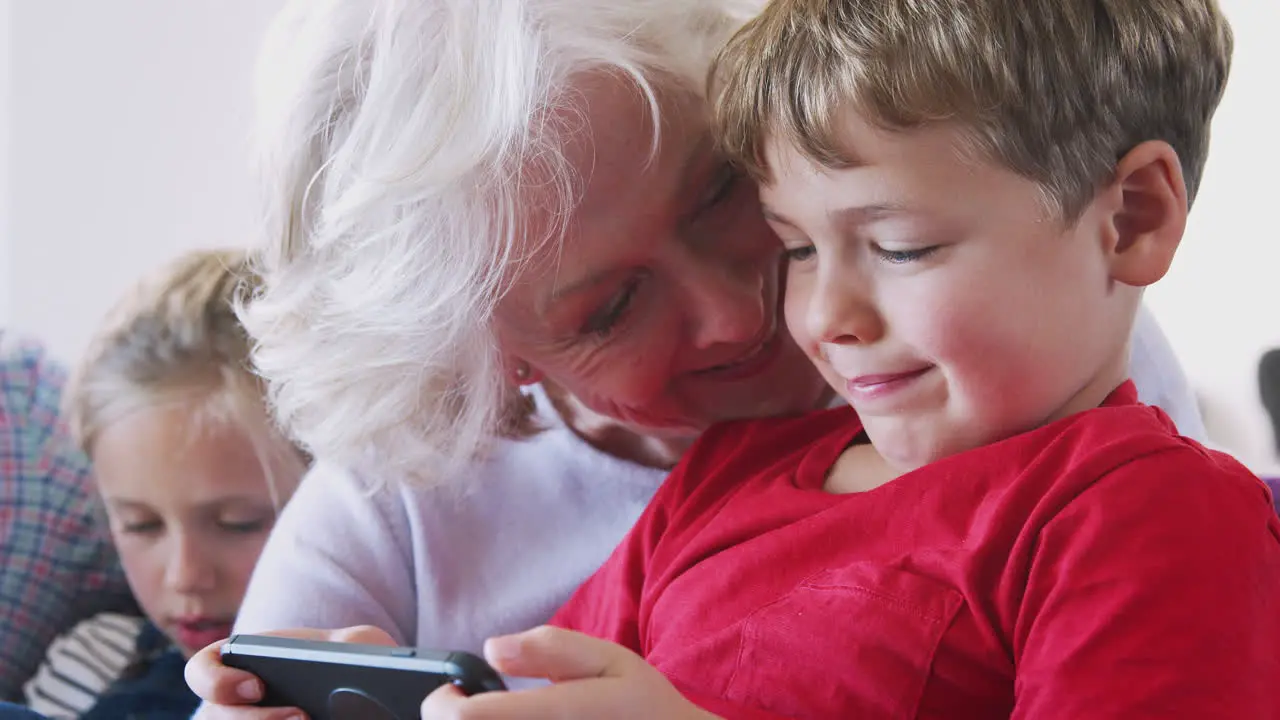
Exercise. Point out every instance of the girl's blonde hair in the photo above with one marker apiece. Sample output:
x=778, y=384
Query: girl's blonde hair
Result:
x=174, y=338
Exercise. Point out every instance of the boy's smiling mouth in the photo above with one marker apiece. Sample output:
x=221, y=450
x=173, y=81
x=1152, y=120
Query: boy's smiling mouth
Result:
x=880, y=385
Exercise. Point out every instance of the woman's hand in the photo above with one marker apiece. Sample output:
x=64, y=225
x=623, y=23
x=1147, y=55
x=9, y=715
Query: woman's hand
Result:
x=229, y=693
x=593, y=678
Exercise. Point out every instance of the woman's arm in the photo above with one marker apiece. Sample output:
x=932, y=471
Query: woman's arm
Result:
x=339, y=556
x=1159, y=376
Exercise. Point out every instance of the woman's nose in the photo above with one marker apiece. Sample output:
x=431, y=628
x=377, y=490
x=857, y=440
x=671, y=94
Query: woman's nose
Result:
x=729, y=305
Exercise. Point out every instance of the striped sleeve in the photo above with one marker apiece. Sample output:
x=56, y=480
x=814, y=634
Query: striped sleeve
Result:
x=82, y=664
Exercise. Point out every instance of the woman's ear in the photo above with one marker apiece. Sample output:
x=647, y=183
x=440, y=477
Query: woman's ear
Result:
x=1148, y=214
x=522, y=373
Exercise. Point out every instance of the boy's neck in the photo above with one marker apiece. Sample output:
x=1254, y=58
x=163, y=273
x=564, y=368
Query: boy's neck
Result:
x=859, y=469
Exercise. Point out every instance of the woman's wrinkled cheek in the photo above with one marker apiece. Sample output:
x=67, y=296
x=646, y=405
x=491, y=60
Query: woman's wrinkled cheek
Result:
x=640, y=395
x=659, y=418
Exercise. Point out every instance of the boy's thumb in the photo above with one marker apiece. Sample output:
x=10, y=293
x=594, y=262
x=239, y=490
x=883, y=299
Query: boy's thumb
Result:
x=555, y=654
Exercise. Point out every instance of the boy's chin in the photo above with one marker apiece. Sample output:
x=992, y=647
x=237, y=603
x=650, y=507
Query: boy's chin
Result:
x=907, y=448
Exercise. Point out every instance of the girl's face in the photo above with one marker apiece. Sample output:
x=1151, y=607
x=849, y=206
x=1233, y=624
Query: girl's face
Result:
x=189, y=509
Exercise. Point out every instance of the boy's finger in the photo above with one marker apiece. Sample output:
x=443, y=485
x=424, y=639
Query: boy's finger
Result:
x=445, y=703
x=556, y=654
x=593, y=698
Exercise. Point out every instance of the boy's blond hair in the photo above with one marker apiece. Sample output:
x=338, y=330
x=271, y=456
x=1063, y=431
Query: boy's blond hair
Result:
x=174, y=338
x=1056, y=90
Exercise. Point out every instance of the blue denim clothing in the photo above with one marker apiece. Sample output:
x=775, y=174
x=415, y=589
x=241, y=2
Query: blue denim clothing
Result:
x=9, y=711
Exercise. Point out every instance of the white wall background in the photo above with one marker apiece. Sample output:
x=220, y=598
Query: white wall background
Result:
x=127, y=122
x=6, y=290
x=1220, y=305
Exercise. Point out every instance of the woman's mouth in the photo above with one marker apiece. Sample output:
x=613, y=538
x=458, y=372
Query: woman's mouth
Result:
x=751, y=363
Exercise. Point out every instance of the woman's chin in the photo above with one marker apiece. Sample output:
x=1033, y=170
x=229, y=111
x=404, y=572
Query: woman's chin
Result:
x=667, y=429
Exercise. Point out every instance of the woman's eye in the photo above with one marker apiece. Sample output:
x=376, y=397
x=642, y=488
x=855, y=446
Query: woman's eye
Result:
x=901, y=257
x=603, y=321
x=800, y=254
x=724, y=181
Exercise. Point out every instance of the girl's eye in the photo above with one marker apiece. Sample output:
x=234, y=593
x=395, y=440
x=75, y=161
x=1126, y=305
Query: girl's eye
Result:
x=246, y=527
x=150, y=527
x=604, y=320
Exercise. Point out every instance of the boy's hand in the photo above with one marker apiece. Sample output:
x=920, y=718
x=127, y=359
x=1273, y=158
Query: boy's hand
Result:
x=593, y=679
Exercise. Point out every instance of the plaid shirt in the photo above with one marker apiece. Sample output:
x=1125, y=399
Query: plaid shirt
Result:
x=57, y=565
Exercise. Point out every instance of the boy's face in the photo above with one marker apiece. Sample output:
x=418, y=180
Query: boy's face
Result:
x=941, y=295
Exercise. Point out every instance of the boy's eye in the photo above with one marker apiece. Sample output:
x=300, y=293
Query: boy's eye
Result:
x=800, y=254
x=899, y=257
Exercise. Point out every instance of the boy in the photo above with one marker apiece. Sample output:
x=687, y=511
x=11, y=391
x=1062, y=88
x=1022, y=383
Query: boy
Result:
x=972, y=195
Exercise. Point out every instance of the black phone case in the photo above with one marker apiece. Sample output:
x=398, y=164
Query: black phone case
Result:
x=339, y=681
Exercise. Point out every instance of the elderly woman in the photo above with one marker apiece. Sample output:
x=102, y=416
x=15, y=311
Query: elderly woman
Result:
x=509, y=281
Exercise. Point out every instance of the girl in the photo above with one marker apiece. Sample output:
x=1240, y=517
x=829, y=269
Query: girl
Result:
x=191, y=473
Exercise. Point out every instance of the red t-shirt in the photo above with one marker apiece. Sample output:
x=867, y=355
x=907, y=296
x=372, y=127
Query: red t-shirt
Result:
x=1099, y=567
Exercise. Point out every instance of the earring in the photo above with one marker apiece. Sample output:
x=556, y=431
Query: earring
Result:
x=522, y=373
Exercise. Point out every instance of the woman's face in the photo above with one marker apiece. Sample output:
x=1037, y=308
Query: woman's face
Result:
x=189, y=509
x=662, y=307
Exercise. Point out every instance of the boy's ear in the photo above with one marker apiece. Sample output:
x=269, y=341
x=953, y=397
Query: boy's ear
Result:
x=1148, y=213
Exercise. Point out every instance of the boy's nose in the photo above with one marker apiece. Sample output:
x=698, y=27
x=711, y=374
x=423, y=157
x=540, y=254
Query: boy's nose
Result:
x=842, y=311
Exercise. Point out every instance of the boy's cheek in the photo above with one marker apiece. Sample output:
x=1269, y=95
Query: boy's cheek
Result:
x=795, y=309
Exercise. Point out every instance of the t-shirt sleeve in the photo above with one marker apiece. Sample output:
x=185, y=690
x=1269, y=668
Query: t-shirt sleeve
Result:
x=1154, y=593
x=82, y=664
x=607, y=605
x=338, y=556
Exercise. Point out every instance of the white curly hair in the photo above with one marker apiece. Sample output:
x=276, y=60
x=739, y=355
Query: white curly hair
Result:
x=397, y=141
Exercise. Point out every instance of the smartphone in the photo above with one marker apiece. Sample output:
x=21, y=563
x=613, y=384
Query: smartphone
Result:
x=337, y=681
